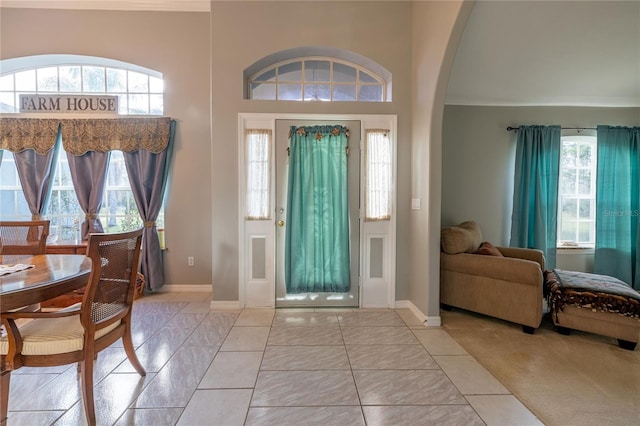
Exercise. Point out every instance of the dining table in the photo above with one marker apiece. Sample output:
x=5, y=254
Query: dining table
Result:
x=31, y=279
x=45, y=276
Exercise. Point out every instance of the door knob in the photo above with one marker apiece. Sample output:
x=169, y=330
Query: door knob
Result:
x=281, y=223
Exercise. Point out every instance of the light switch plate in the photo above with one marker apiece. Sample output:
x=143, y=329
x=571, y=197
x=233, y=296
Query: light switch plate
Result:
x=415, y=203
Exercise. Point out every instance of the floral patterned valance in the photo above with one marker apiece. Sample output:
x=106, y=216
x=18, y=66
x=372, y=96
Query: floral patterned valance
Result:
x=18, y=134
x=124, y=134
x=80, y=136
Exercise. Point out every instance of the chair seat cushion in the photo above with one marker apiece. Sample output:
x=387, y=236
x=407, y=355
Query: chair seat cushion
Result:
x=49, y=336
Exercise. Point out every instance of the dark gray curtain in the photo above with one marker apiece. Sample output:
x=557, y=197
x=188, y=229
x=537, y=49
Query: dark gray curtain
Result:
x=89, y=173
x=148, y=172
x=36, y=171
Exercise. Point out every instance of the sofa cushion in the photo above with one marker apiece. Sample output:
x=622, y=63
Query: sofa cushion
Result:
x=463, y=238
x=489, y=249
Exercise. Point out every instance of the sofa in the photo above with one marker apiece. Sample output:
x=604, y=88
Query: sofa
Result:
x=593, y=303
x=502, y=282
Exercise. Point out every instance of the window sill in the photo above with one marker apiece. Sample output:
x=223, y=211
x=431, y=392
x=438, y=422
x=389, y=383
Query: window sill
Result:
x=575, y=250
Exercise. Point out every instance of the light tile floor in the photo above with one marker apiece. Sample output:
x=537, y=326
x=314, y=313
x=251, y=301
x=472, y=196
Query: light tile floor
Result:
x=273, y=367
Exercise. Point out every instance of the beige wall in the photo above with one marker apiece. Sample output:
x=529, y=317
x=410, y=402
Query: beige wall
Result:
x=437, y=30
x=478, y=158
x=244, y=32
x=175, y=44
x=202, y=57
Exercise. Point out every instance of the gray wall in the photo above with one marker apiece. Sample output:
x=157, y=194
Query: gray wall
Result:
x=244, y=32
x=478, y=157
x=203, y=55
x=437, y=29
x=176, y=44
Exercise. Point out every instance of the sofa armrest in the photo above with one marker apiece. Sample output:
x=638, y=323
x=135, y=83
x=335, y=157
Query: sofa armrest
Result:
x=502, y=268
x=524, y=253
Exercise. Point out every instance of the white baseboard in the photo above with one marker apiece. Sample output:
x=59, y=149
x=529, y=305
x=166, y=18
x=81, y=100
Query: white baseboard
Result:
x=186, y=288
x=434, y=321
x=428, y=321
x=220, y=304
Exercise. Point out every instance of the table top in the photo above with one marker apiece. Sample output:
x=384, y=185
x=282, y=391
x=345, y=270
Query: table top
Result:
x=51, y=276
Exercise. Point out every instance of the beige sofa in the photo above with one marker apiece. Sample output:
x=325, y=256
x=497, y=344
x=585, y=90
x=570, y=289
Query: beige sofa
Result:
x=504, y=283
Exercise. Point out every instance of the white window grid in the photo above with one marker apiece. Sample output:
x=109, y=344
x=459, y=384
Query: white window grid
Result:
x=575, y=227
x=378, y=168
x=305, y=84
x=138, y=93
x=258, y=159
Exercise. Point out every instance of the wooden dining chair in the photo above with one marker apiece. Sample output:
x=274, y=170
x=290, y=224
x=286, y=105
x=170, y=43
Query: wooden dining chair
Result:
x=78, y=333
x=23, y=237
x=27, y=237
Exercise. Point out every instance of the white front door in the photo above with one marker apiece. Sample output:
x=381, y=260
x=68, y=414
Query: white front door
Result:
x=351, y=297
x=261, y=241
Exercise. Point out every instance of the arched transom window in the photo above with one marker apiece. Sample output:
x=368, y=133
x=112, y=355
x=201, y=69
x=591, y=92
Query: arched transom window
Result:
x=139, y=90
x=317, y=78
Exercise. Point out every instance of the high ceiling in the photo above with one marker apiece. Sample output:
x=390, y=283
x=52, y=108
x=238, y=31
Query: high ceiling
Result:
x=517, y=52
x=582, y=53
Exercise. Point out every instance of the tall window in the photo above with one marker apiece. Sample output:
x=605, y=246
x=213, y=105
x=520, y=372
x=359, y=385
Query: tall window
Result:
x=577, y=194
x=258, y=151
x=139, y=91
x=377, y=175
x=317, y=79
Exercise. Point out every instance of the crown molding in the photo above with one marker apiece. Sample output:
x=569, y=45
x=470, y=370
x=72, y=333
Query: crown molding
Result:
x=155, y=5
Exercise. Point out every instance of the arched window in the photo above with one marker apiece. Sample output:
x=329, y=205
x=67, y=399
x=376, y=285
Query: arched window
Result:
x=317, y=74
x=140, y=92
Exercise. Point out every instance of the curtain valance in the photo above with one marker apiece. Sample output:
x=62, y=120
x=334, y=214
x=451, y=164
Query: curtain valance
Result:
x=19, y=134
x=124, y=134
x=80, y=136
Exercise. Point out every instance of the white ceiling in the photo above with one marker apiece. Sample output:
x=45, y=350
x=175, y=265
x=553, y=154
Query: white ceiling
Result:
x=582, y=53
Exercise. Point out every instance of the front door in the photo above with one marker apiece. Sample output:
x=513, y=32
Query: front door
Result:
x=317, y=263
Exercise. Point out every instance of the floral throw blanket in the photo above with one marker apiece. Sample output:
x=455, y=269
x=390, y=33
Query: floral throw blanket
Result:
x=591, y=291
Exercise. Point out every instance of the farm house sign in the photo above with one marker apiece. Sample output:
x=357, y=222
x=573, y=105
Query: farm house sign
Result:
x=69, y=104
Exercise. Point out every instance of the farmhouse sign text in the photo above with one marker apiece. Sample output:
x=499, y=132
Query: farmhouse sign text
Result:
x=69, y=104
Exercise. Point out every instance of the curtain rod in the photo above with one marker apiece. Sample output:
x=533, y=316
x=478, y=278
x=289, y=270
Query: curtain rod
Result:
x=562, y=128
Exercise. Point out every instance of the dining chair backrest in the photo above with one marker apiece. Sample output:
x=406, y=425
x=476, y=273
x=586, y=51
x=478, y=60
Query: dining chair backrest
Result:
x=110, y=291
x=59, y=337
x=23, y=237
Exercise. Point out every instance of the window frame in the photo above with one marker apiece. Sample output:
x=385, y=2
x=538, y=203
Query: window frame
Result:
x=378, y=189
x=258, y=166
x=581, y=138
x=15, y=66
x=304, y=83
x=65, y=224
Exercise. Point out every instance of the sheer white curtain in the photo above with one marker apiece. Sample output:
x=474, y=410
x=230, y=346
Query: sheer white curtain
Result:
x=258, y=164
x=378, y=175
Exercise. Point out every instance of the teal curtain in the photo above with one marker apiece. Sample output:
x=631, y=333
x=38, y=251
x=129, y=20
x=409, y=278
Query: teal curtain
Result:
x=317, y=233
x=618, y=204
x=535, y=194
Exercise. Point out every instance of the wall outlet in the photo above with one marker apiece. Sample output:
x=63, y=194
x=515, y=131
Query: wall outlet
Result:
x=190, y=261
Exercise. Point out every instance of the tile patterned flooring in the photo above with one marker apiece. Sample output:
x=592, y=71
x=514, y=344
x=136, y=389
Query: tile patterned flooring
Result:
x=273, y=367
